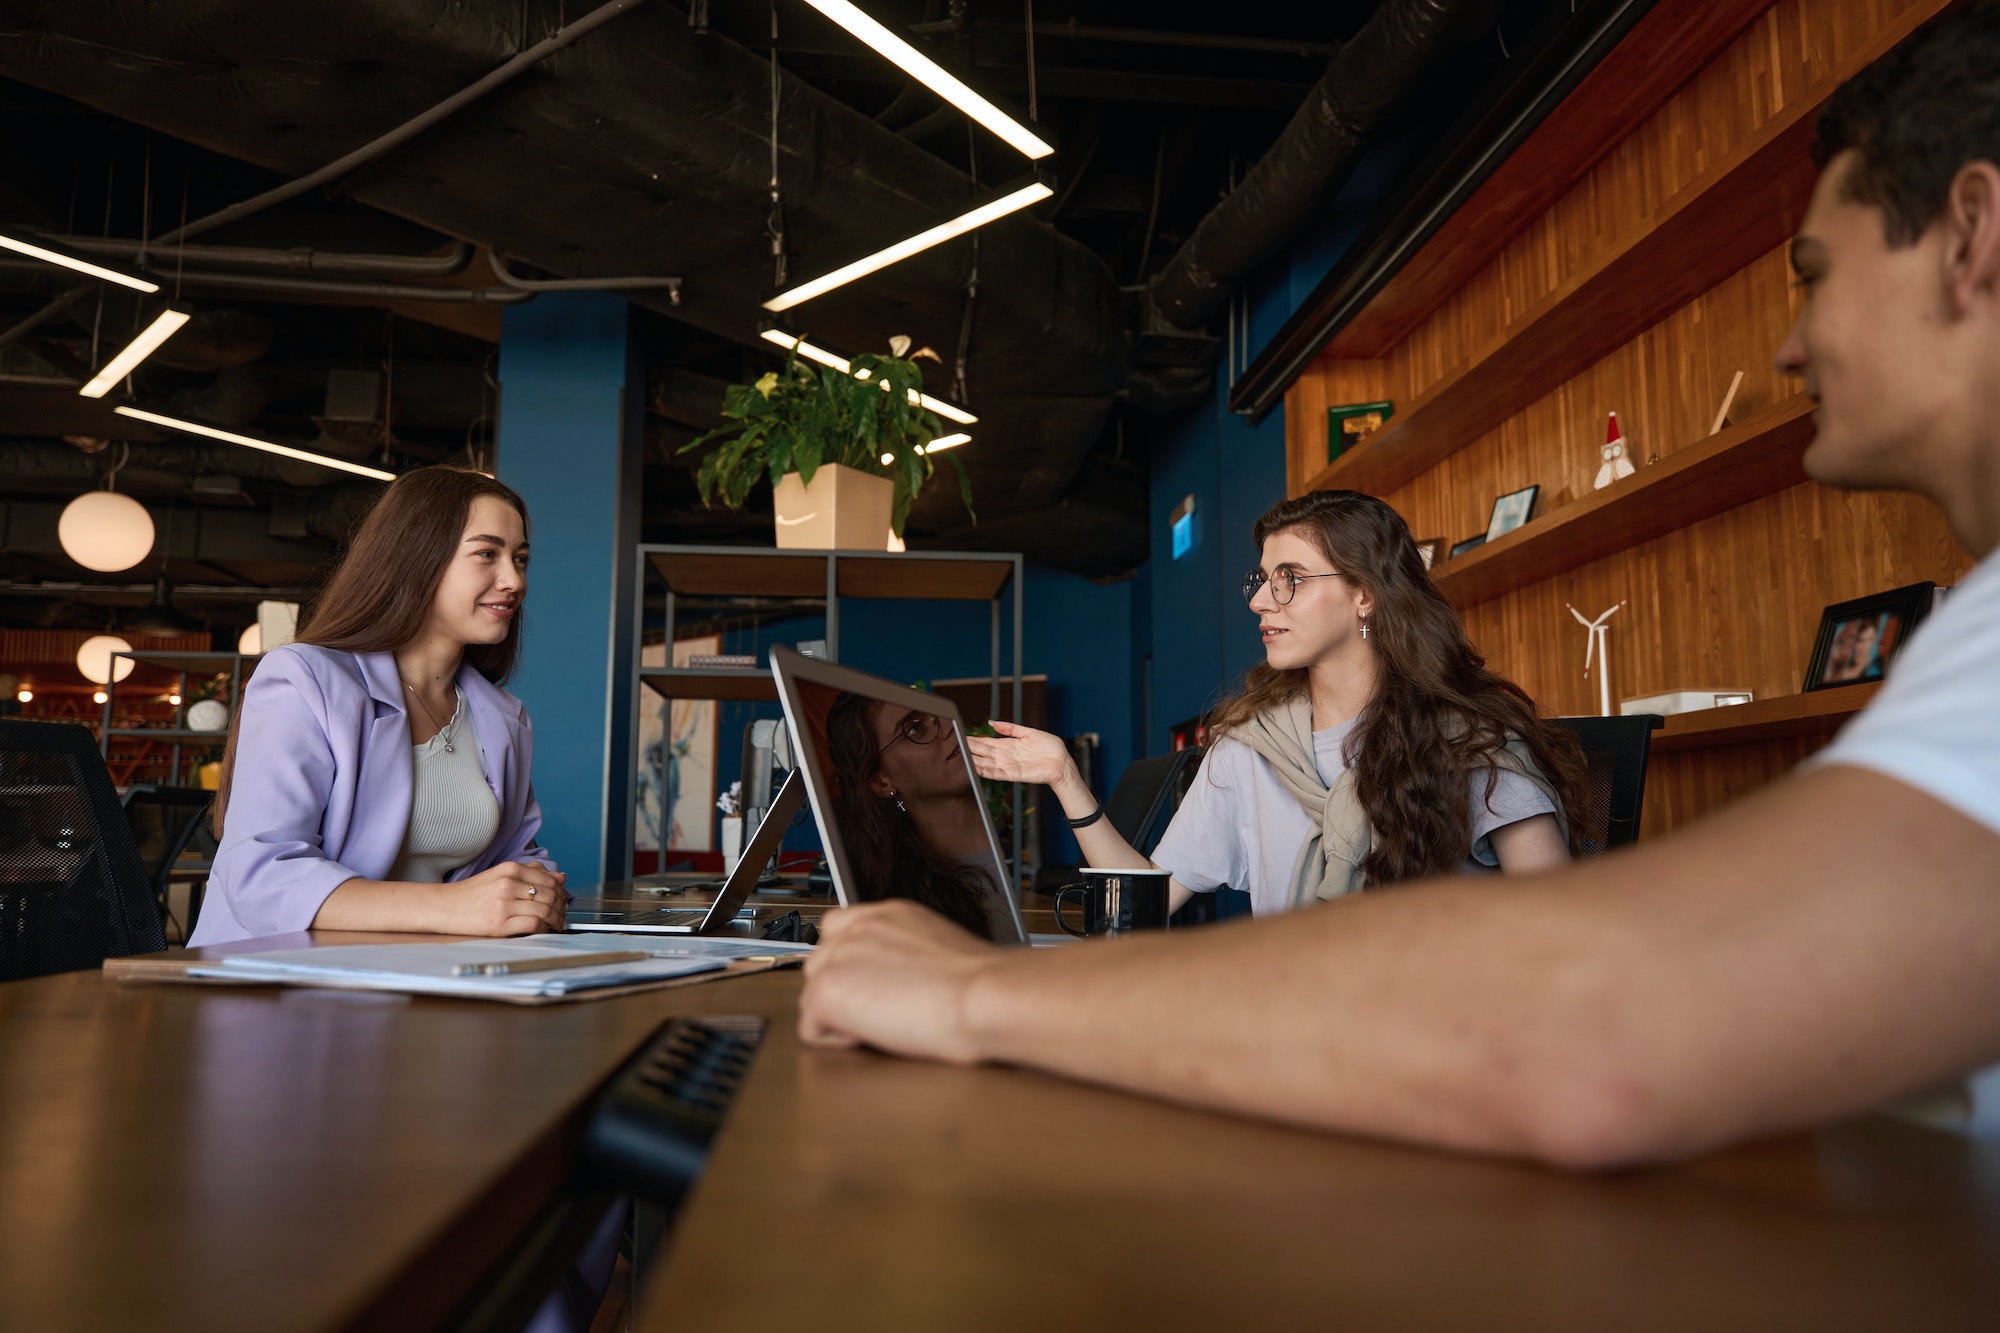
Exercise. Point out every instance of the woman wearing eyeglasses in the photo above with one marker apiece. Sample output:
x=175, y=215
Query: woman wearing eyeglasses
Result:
x=1370, y=747
x=908, y=813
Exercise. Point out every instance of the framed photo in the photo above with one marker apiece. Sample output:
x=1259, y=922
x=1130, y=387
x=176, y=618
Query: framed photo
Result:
x=1858, y=639
x=1460, y=548
x=1429, y=549
x=1346, y=425
x=1511, y=511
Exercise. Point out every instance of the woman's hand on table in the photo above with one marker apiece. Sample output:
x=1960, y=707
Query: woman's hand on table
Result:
x=512, y=898
x=895, y=976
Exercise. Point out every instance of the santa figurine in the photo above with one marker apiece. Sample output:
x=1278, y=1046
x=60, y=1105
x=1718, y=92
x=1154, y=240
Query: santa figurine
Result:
x=1616, y=465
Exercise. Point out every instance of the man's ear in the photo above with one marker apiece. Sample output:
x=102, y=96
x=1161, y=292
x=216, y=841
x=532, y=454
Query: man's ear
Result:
x=1972, y=235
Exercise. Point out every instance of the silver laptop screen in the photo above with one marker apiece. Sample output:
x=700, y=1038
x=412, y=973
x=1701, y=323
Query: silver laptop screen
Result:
x=909, y=819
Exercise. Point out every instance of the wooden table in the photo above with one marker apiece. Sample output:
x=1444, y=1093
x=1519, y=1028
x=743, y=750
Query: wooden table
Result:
x=175, y=1157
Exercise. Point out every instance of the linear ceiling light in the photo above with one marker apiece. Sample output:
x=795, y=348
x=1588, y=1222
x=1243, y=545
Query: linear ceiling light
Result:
x=949, y=411
x=941, y=442
x=50, y=256
x=901, y=250
x=927, y=72
x=164, y=326
x=231, y=437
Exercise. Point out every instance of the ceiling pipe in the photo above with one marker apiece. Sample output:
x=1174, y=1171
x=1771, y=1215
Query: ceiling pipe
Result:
x=296, y=259
x=1363, y=83
x=671, y=286
x=384, y=144
x=387, y=291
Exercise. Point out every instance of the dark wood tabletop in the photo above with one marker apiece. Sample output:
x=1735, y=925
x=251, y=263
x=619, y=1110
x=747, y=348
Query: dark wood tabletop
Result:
x=180, y=1157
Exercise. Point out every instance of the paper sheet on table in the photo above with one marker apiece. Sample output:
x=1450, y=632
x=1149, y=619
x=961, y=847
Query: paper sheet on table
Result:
x=427, y=969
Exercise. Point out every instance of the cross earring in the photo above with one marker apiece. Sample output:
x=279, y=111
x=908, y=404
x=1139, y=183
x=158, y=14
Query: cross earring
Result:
x=1364, y=627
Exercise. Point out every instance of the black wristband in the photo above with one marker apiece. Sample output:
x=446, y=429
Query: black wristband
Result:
x=1088, y=819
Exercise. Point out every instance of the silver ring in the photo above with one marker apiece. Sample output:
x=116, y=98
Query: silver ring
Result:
x=531, y=893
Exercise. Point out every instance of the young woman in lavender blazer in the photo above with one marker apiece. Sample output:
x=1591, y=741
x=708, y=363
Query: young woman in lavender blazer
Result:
x=377, y=776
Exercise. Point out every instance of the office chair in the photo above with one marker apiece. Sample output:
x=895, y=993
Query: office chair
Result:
x=1607, y=814
x=164, y=820
x=73, y=890
x=1148, y=792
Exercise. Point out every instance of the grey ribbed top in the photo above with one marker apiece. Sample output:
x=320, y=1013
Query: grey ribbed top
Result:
x=453, y=814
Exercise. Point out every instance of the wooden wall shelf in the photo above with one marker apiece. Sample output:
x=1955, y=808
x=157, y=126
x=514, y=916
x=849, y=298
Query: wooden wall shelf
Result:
x=1740, y=464
x=1739, y=209
x=1818, y=713
x=737, y=684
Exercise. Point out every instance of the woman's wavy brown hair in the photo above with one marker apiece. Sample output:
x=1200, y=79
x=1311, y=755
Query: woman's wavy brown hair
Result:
x=882, y=843
x=1438, y=716
x=383, y=585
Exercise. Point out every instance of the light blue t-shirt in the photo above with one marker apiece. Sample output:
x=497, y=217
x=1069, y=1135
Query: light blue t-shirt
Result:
x=1241, y=826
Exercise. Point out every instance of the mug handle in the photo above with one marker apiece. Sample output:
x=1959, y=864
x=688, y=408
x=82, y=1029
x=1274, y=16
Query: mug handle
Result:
x=1079, y=890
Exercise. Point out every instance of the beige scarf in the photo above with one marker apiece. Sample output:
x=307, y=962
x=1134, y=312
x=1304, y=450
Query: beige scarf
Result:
x=1330, y=861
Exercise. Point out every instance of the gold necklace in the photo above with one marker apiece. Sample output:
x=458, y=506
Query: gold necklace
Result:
x=431, y=717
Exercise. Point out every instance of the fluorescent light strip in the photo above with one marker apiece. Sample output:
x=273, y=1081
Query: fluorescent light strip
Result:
x=949, y=411
x=231, y=437
x=32, y=251
x=901, y=250
x=164, y=326
x=946, y=442
x=927, y=72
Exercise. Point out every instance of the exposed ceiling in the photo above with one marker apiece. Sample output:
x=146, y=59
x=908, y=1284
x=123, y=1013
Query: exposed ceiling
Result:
x=643, y=149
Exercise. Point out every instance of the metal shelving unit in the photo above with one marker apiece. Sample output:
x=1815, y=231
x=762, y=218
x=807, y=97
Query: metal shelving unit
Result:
x=827, y=577
x=185, y=664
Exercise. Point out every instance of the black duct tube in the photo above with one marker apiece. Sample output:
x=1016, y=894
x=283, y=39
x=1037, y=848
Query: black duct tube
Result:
x=1362, y=84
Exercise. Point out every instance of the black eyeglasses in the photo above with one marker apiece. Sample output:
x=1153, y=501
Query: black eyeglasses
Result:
x=1284, y=584
x=917, y=729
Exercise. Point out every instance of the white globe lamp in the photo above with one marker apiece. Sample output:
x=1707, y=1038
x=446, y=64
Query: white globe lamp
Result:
x=93, y=658
x=251, y=641
x=105, y=531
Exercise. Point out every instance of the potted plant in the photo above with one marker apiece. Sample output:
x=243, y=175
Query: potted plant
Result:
x=845, y=453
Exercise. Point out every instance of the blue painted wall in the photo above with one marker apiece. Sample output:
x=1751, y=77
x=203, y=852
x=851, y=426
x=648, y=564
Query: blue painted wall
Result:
x=570, y=414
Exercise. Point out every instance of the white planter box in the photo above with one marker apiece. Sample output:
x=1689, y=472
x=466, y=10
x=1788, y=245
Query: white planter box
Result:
x=843, y=510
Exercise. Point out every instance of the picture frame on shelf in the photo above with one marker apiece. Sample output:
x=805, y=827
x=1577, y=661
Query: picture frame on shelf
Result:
x=1346, y=425
x=1512, y=510
x=1470, y=543
x=1858, y=639
x=1429, y=549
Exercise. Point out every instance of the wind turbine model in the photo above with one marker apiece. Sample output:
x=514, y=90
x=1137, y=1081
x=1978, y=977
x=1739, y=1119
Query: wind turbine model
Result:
x=1599, y=647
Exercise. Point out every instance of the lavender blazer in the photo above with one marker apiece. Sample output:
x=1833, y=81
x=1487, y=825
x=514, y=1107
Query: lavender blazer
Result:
x=323, y=783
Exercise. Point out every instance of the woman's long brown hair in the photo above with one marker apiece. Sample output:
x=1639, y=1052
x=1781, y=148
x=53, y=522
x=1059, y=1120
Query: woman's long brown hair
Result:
x=382, y=588
x=882, y=843
x=1438, y=716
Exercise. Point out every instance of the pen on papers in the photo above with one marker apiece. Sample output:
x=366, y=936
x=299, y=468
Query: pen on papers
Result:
x=549, y=964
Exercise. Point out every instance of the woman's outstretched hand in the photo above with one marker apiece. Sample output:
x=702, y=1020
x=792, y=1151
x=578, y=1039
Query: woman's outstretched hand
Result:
x=1020, y=754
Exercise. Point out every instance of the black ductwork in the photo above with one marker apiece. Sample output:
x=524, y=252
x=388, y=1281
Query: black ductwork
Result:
x=642, y=149
x=1363, y=82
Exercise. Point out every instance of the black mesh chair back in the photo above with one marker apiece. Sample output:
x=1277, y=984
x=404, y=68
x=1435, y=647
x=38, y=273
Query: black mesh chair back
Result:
x=163, y=821
x=1148, y=793
x=73, y=891
x=1606, y=815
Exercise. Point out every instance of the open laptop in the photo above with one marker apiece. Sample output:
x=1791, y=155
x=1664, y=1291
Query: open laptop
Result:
x=715, y=918
x=900, y=811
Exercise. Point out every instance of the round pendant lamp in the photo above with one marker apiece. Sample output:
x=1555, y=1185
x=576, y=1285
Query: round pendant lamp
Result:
x=251, y=641
x=93, y=658
x=105, y=531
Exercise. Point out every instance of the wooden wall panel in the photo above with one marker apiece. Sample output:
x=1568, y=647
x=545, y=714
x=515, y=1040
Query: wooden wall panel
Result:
x=1795, y=53
x=1332, y=384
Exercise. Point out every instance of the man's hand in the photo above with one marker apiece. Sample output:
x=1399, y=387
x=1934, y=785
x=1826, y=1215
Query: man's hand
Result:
x=893, y=975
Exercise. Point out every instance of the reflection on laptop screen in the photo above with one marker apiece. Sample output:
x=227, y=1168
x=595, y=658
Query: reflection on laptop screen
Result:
x=907, y=817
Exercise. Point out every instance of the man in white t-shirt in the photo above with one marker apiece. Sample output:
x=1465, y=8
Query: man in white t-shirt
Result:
x=1825, y=946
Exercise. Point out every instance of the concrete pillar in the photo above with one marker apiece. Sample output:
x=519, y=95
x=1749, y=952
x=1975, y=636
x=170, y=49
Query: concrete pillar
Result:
x=571, y=417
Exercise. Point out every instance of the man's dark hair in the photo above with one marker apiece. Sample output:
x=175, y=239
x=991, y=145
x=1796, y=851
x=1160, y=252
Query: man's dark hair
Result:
x=1917, y=115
